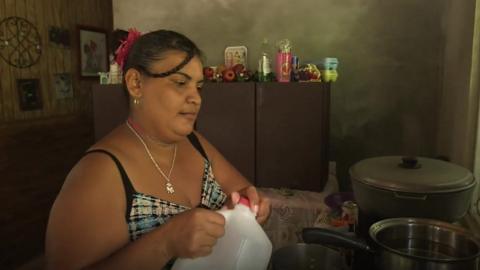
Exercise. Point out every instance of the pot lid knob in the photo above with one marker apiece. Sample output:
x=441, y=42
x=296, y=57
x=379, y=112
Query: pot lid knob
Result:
x=410, y=163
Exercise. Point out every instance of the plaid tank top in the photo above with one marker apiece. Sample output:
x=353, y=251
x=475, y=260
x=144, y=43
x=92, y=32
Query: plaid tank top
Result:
x=146, y=212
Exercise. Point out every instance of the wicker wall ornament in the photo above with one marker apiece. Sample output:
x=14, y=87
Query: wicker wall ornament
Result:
x=20, y=43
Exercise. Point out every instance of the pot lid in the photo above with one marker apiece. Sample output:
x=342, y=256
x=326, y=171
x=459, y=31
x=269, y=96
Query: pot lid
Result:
x=412, y=174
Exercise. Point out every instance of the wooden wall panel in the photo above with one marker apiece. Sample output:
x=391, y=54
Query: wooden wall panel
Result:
x=35, y=157
x=54, y=59
x=38, y=148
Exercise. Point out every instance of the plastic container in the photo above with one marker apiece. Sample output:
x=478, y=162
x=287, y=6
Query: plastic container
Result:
x=284, y=66
x=245, y=246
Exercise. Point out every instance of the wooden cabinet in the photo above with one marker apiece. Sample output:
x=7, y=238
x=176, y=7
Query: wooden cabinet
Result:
x=227, y=120
x=275, y=134
x=110, y=108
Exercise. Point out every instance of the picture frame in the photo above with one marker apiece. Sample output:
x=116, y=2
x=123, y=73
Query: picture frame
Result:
x=93, y=51
x=63, y=85
x=29, y=94
x=235, y=55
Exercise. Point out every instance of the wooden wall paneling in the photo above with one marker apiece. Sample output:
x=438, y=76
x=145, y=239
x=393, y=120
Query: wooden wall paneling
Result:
x=74, y=57
x=3, y=69
x=44, y=14
x=63, y=62
x=67, y=23
x=70, y=55
x=10, y=100
x=34, y=71
x=37, y=148
x=35, y=157
x=42, y=65
x=82, y=84
x=48, y=14
x=56, y=61
x=19, y=73
x=1, y=95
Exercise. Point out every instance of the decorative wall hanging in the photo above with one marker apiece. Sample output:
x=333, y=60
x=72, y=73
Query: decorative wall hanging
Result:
x=63, y=85
x=20, y=43
x=93, y=51
x=59, y=36
x=29, y=94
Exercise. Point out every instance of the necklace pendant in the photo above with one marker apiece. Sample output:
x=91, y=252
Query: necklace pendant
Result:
x=169, y=188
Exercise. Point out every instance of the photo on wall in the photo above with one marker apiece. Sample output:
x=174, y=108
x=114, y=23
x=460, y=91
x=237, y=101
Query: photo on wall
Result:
x=93, y=51
x=29, y=94
x=63, y=85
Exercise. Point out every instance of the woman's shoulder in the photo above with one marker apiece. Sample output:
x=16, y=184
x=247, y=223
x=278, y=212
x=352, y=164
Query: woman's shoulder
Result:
x=97, y=171
x=113, y=141
x=93, y=173
x=90, y=204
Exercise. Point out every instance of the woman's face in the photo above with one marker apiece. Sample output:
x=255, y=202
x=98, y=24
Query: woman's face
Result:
x=169, y=106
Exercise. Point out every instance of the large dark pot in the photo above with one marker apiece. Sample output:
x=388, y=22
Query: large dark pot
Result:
x=393, y=186
x=301, y=256
x=409, y=244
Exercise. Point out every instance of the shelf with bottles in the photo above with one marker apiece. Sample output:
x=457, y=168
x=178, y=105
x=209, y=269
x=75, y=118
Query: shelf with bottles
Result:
x=287, y=66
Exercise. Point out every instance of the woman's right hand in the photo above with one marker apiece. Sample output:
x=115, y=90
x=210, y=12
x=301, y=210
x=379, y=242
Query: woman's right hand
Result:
x=193, y=233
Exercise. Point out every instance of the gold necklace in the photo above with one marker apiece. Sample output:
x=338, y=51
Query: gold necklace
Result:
x=168, y=185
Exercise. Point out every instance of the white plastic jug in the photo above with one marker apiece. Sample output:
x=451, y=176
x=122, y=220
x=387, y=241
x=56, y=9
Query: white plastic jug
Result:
x=245, y=246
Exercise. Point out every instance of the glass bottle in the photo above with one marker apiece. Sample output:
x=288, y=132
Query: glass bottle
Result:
x=264, y=63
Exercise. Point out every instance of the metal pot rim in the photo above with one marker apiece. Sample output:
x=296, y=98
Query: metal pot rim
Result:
x=435, y=176
x=385, y=223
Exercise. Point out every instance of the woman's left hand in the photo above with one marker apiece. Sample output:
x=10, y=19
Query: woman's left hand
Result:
x=259, y=204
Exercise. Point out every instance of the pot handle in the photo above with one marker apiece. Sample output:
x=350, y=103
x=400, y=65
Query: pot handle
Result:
x=421, y=197
x=333, y=238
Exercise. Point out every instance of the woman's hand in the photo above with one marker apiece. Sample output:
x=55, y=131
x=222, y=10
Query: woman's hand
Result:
x=193, y=233
x=259, y=204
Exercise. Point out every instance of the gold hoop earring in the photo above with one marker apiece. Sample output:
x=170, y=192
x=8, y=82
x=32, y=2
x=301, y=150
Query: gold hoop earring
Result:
x=136, y=101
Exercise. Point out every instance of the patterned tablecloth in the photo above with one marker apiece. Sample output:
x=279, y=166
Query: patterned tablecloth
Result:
x=293, y=210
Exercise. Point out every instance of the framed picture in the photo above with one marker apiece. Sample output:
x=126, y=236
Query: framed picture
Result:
x=93, y=51
x=235, y=55
x=59, y=37
x=63, y=85
x=29, y=94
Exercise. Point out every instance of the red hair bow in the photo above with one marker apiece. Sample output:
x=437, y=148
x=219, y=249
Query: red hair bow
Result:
x=125, y=46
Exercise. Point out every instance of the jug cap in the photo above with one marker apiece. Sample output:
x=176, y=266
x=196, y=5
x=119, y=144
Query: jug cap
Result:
x=244, y=201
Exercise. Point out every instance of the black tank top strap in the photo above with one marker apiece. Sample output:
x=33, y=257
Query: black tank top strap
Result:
x=127, y=185
x=196, y=143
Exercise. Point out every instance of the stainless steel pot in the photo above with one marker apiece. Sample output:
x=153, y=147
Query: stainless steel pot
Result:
x=409, y=244
x=393, y=186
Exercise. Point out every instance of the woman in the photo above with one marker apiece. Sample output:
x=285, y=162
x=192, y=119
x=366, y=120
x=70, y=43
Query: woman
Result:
x=144, y=194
